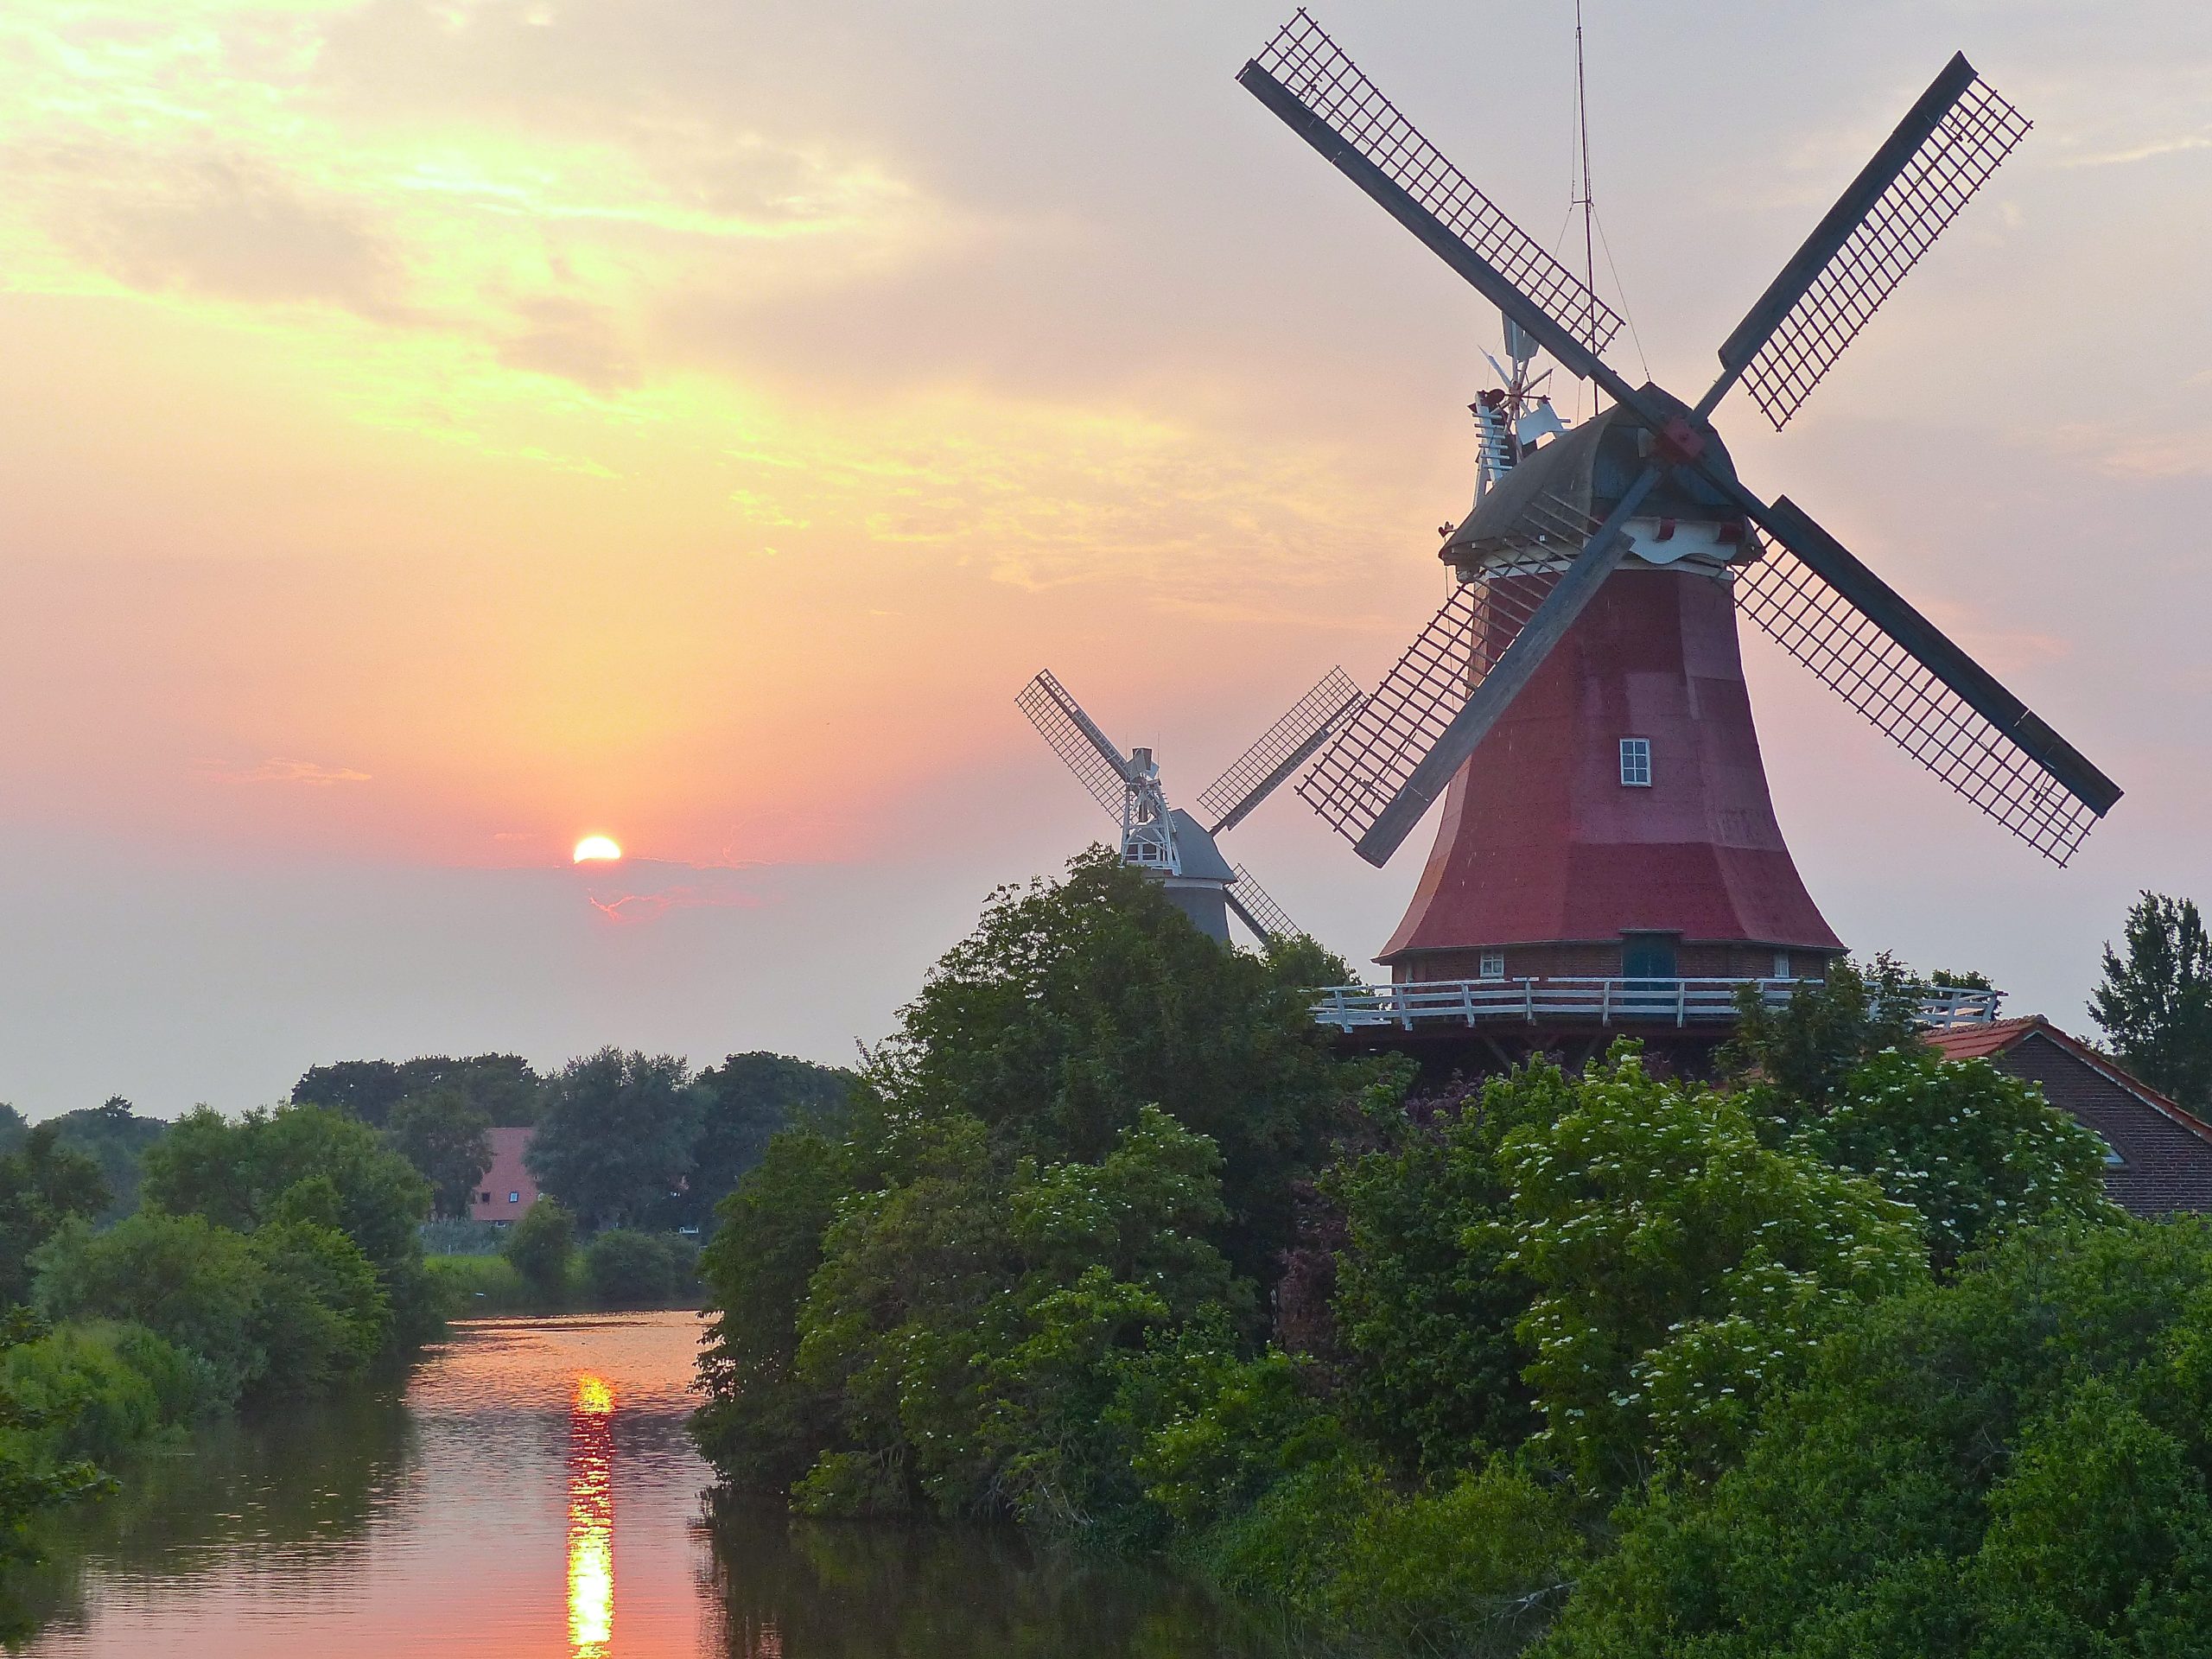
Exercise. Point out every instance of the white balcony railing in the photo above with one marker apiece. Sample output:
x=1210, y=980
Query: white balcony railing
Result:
x=1597, y=1001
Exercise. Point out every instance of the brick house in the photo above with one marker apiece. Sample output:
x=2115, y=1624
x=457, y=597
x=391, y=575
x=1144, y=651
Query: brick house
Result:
x=2160, y=1160
x=506, y=1189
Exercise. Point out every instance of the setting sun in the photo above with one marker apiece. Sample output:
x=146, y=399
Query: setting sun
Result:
x=596, y=846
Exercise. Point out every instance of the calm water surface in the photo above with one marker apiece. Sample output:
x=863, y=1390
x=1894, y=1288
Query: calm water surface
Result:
x=533, y=1495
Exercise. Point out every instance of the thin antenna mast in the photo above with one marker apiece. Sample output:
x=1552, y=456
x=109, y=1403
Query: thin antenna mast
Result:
x=1587, y=200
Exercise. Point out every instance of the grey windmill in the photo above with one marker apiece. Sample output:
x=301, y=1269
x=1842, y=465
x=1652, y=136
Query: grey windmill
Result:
x=1376, y=781
x=1166, y=841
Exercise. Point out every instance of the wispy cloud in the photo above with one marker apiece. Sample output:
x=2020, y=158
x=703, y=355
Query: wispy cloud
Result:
x=644, y=890
x=2145, y=150
x=278, y=769
x=2184, y=452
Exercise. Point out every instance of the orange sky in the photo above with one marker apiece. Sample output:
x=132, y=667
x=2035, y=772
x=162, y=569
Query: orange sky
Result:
x=439, y=429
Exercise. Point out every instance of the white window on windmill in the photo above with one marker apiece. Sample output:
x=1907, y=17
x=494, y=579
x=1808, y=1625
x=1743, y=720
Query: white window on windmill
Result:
x=1636, y=763
x=1782, y=964
x=1493, y=964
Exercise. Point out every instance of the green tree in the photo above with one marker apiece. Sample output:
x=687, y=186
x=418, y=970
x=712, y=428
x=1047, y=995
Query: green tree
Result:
x=501, y=1086
x=540, y=1246
x=13, y=1128
x=116, y=1138
x=42, y=1184
x=2156, y=1006
x=2012, y=1462
x=303, y=1163
x=614, y=1137
x=1682, y=1269
x=1952, y=979
x=744, y=1102
x=1076, y=1004
x=1429, y=1299
x=1088, y=1129
x=448, y=1139
x=967, y=1318
x=367, y=1089
x=323, y=1316
x=758, y=1423
x=1802, y=1051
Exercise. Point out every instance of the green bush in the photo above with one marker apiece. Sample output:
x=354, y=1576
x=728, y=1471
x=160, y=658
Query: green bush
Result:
x=197, y=1285
x=287, y=1311
x=1473, y=1566
x=540, y=1247
x=2014, y=1462
x=1973, y=1151
x=450, y=1237
x=476, y=1286
x=1429, y=1295
x=1681, y=1268
x=626, y=1268
x=98, y=1388
x=34, y=1479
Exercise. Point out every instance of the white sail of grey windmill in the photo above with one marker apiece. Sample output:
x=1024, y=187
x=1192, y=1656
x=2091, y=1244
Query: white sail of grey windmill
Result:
x=1166, y=841
x=1808, y=592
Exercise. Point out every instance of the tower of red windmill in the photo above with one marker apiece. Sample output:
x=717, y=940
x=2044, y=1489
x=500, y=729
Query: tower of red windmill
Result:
x=1607, y=842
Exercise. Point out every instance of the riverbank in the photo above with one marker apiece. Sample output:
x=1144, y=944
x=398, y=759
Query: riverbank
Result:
x=481, y=1286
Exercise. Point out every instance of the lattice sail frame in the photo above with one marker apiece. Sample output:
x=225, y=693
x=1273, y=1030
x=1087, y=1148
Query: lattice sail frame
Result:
x=1257, y=911
x=1316, y=71
x=1955, y=159
x=1896, y=693
x=1074, y=737
x=1361, y=773
x=1264, y=766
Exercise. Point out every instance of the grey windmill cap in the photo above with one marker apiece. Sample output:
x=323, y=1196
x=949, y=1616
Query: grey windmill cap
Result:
x=1201, y=859
x=1555, y=494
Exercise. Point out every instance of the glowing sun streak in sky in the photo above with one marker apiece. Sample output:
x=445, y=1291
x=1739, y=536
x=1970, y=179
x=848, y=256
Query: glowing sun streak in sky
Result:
x=596, y=846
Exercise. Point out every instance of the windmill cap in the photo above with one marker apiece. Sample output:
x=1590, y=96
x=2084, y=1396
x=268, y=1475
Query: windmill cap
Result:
x=1201, y=859
x=1556, y=494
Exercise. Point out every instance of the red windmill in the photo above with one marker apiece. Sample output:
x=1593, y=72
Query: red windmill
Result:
x=1580, y=701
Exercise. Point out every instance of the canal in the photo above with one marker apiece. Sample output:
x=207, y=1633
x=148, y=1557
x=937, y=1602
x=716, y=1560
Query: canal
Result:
x=532, y=1494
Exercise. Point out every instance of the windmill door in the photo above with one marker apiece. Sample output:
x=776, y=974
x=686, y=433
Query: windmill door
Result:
x=1647, y=962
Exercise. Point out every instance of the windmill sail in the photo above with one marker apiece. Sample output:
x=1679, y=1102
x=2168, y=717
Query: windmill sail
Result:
x=1075, y=737
x=1569, y=595
x=1283, y=748
x=1378, y=750
x=1322, y=95
x=1947, y=146
x=1256, y=910
x=1910, y=682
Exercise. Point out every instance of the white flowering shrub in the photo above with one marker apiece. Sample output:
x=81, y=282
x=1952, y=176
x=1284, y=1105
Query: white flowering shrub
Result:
x=1682, y=1268
x=1976, y=1153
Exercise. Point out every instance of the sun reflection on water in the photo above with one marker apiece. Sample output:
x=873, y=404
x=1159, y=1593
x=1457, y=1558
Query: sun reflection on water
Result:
x=591, y=1519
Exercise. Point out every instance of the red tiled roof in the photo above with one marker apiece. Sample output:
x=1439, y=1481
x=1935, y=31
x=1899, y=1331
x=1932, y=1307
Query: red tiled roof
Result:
x=1980, y=1042
x=2165, y=1152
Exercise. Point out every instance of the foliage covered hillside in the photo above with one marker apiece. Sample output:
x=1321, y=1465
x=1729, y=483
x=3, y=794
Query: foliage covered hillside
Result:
x=1108, y=1242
